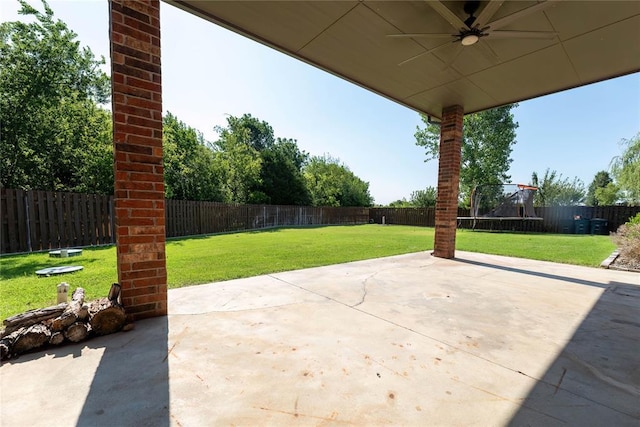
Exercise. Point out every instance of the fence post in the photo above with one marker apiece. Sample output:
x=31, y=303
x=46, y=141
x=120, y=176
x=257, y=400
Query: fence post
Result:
x=112, y=220
x=27, y=221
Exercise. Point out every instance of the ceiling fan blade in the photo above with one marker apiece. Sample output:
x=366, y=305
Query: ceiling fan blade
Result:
x=458, y=50
x=520, y=14
x=446, y=13
x=423, y=53
x=488, y=52
x=548, y=35
x=487, y=13
x=422, y=35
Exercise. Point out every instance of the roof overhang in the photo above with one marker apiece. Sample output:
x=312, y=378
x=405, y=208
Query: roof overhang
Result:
x=592, y=41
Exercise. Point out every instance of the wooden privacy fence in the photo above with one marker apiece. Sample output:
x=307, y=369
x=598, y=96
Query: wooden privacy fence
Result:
x=558, y=219
x=420, y=217
x=189, y=218
x=41, y=220
x=555, y=219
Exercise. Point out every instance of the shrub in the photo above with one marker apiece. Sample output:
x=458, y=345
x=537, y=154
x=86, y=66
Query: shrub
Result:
x=627, y=238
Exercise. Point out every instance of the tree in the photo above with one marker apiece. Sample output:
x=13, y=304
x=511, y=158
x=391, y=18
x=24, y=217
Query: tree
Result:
x=400, y=203
x=626, y=169
x=331, y=183
x=95, y=160
x=49, y=91
x=424, y=198
x=281, y=174
x=241, y=165
x=601, y=180
x=279, y=179
x=256, y=133
x=487, y=143
x=554, y=190
x=607, y=196
x=190, y=170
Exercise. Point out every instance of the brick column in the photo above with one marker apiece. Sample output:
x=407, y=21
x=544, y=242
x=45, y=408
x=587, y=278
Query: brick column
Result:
x=448, y=181
x=137, y=137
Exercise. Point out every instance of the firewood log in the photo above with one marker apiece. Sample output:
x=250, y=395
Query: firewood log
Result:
x=114, y=293
x=32, y=317
x=106, y=316
x=71, y=314
x=5, y=347
x=76, y=332
x=57, y=338
x=83, y=313
x=30, y=338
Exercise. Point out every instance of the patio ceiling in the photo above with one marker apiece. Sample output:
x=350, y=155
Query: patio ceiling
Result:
x=590, y=41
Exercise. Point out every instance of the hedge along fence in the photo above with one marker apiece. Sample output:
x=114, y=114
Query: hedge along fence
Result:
x=34, y=221
x=555, y=219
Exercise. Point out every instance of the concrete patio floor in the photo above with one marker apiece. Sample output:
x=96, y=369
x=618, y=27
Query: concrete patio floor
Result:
x=406, y=340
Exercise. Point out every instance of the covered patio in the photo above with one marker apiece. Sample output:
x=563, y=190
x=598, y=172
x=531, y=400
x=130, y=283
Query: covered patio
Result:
x=407, y=340
x=444, y=59
x=419, y=339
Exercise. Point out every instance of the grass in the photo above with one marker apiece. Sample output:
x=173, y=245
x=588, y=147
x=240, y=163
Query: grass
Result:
x=576, y=249
x=229, y=256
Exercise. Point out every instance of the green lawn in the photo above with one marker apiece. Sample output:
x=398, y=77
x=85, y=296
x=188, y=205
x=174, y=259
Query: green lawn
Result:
x=228, y=256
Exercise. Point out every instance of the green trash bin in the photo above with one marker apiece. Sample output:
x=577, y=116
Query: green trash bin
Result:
x=599, y=226
x=581, y=226
x=566, y=226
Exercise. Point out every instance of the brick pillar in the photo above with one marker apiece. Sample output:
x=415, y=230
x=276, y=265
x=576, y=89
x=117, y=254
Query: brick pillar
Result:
x=137, y=137
x=448, y=181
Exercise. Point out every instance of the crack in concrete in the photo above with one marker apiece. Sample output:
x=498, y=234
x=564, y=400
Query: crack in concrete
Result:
x=364, y=290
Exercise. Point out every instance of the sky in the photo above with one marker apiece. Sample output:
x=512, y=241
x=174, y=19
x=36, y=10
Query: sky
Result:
x=209, y=73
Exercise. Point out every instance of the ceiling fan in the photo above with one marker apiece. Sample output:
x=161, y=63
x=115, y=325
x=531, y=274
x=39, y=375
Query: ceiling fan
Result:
x=474, y=28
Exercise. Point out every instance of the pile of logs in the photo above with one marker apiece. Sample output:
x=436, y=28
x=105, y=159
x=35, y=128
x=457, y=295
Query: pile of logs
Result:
x=67, y=322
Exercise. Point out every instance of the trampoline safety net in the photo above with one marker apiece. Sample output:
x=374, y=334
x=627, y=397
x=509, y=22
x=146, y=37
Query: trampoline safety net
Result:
x=503, y=201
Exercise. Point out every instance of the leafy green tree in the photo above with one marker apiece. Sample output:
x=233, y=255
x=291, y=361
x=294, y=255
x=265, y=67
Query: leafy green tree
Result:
x=601, y=180
x=190, y=170
x=256, y=133
x=400, y=203
x=554, y=190
x=240, y=165
x=424, y=198
x=281, y=174
x=280, y=179
x=608, y=195
x=95, y=160
x=49, y=91
x=331, y=183
x=626, y=169
x=487, y=143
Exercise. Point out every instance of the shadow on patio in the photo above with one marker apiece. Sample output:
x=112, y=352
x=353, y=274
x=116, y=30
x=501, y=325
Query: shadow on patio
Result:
x=595, y=380
x=131, y=381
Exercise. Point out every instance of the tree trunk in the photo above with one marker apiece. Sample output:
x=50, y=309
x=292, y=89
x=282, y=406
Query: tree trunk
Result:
x=30, y=338
x=32, y=317
x=76, y=332
x=71, y=314
x=106, y=316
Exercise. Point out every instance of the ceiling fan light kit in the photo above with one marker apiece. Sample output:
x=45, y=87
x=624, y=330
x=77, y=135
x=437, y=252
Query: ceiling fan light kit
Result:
x=469, y=39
